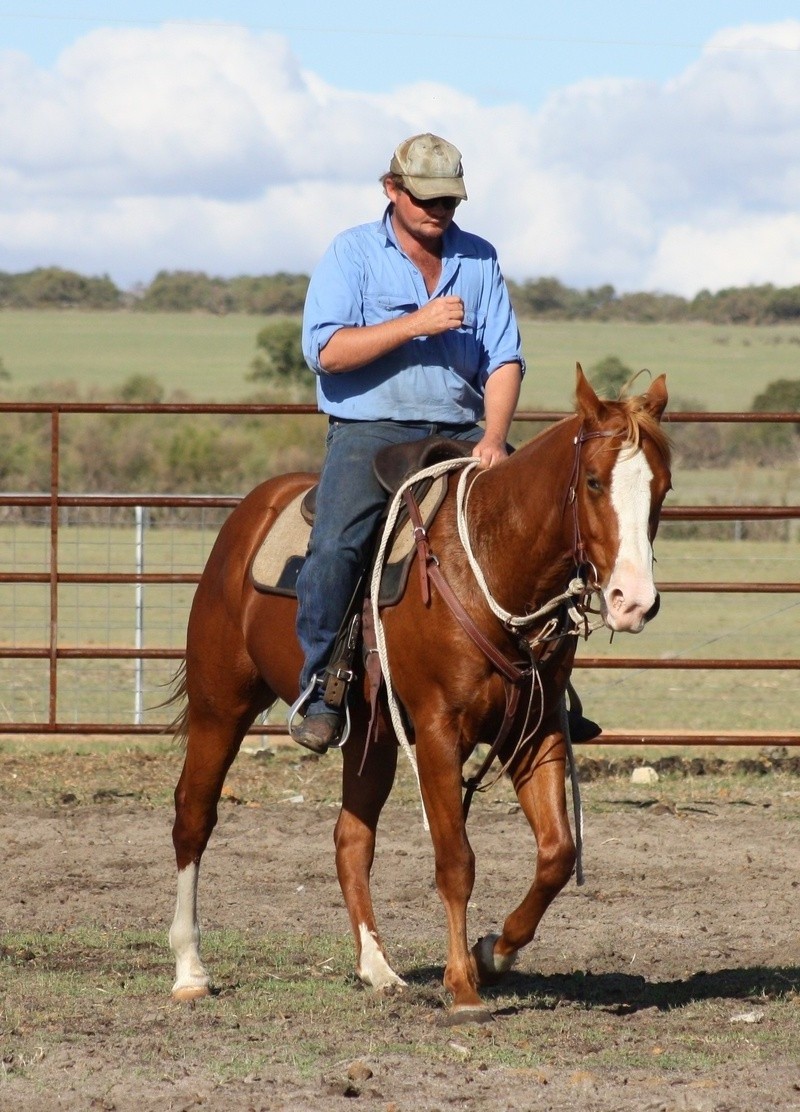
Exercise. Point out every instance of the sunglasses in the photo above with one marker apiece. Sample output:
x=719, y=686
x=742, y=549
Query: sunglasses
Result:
x=449, y=204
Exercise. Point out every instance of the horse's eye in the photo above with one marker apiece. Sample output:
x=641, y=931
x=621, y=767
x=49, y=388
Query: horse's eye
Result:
x=594, y=484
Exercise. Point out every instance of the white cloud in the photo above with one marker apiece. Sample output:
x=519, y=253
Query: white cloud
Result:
x=211, y=148
x=729, y=251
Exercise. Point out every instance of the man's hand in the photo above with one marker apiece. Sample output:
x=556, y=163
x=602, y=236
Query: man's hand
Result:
x=438, y=315
x=489, y=451
x=502, y=394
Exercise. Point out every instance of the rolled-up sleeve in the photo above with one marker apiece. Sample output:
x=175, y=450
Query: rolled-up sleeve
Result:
x=501, y=339
x=333, y=301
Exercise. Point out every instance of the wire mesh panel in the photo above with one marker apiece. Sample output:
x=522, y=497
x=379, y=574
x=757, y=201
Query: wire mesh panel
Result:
x=95, y=617
x=711, y=626
x=25, y=617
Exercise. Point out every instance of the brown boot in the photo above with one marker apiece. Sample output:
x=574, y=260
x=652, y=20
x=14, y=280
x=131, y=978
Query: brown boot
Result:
x=317, y=732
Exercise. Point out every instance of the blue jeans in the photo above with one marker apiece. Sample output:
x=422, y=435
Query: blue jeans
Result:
x=350, y=501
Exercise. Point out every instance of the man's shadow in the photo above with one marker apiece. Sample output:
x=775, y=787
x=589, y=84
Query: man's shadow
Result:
x=625, y=993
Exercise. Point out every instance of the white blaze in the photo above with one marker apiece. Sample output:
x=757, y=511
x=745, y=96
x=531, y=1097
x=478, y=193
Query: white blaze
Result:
x=631, y=592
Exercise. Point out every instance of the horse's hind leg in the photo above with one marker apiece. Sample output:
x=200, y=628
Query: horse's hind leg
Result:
x=213, y=742
x=539, y=784
x=363, y=797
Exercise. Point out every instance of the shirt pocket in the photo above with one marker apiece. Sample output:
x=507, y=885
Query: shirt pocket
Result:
x=386, y=306
x=470, y=321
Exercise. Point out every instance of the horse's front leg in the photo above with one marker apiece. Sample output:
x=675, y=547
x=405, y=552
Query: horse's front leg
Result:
x=539, y=783
x=439, y=763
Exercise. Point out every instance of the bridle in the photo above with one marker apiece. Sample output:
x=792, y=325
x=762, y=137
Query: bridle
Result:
x=584, y=583
x=579, y=554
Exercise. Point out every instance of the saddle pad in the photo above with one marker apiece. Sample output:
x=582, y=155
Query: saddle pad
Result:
x=277, y=562
x=402, y=548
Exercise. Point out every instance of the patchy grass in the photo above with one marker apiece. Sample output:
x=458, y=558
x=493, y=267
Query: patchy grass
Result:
x=287, y=1002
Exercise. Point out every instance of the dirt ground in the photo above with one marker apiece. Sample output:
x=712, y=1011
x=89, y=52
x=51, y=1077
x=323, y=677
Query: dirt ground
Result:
x=669, y=981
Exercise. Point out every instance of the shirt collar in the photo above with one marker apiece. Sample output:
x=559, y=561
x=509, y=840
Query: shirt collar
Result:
x=453, y=244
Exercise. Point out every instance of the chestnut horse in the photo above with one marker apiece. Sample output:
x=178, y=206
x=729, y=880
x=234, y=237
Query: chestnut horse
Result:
x=587, y=491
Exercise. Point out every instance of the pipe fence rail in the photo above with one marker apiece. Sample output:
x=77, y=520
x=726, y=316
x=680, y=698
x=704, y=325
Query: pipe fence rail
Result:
x=53, y=576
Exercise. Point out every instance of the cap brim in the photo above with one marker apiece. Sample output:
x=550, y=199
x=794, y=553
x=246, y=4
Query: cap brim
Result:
x=426, y=188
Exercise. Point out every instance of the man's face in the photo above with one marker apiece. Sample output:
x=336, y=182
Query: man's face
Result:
x=424, y=220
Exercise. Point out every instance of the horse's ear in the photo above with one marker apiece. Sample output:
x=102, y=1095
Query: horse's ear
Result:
x=590, y=407
x=655, y=400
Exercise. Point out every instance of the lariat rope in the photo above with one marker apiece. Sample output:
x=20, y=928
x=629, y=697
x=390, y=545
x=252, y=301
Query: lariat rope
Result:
x=432, y=472
x=576, y=587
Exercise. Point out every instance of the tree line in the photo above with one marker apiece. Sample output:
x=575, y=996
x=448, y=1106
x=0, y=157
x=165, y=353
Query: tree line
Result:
x=283, y=294
x=231, y=453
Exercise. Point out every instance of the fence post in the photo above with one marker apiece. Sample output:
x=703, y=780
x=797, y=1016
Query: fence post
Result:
x=55, y=433
x=142, y=518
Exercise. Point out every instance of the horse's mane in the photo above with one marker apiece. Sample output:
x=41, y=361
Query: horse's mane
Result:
x=636, y=421
x=628, y=417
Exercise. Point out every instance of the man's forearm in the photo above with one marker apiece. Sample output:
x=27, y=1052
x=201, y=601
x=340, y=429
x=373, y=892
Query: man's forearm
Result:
x=351, y=348
x=500, y=400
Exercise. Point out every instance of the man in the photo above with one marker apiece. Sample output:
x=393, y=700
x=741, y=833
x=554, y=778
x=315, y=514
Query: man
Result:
x=410, y=330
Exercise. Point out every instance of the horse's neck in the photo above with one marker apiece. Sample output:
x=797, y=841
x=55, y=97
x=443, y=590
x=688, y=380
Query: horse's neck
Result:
x=521, y=535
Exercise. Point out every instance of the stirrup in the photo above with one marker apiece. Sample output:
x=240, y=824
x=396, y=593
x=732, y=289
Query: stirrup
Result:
x=302, y=699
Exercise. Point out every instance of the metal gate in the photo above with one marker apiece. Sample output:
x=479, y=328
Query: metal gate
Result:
x=63, y=644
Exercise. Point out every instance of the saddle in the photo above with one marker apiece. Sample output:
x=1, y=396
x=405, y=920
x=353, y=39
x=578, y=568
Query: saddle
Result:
x=397, y=462
x=277, y=563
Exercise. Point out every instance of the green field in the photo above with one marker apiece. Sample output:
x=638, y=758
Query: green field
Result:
x=208, y=357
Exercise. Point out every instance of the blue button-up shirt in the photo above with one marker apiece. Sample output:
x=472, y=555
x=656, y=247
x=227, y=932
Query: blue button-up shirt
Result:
x=366, y=278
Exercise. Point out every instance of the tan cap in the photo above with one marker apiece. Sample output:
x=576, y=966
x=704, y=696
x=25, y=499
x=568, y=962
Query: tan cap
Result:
x=429, y=167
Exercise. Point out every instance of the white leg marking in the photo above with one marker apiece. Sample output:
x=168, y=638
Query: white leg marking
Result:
x=191, y=979
x=373, y=968
x=631, y=592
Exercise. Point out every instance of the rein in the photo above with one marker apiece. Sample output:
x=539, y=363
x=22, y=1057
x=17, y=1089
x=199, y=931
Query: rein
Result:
x=581, y=588
x=514, y=676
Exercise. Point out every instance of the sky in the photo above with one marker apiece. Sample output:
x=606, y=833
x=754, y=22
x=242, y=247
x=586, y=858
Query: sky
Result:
x=644, y=145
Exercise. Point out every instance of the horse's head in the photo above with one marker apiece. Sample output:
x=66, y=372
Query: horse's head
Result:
x=622, y=477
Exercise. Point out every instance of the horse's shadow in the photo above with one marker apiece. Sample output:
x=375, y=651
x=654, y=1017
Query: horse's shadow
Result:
x=625, y=993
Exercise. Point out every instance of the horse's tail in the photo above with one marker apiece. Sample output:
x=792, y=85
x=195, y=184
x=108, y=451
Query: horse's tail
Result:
x=179, y=726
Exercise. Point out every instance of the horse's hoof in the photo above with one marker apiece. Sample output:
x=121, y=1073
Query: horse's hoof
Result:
x=467, y=1013
x=182, y=994
x=489, y=967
